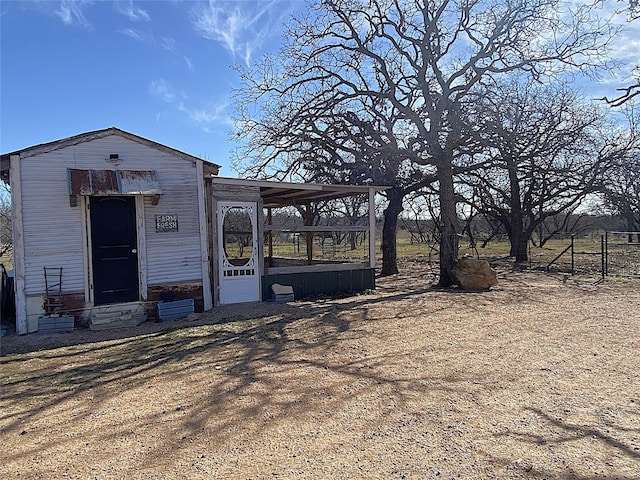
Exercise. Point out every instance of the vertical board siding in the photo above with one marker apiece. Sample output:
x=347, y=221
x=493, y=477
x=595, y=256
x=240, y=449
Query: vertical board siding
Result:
x=306, y=284
x=53, y=230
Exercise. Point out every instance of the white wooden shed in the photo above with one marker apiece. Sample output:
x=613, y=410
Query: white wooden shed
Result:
x=131, y=222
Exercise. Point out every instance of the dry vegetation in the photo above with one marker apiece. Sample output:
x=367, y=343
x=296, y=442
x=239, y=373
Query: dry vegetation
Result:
x=537, y=378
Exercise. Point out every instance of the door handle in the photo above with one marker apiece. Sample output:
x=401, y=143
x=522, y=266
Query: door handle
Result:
x=135, y=250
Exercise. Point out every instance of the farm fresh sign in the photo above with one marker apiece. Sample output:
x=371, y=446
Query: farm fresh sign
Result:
x=166, y=223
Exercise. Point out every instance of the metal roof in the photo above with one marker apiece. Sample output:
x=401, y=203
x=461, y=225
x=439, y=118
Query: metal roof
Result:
x=280, y=194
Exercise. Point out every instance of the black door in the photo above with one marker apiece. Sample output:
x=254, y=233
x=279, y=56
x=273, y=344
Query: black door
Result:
x=114, y=249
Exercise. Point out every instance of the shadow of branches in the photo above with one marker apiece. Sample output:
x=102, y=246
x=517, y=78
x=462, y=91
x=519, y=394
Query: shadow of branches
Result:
x=433, y=377
x=250, y=370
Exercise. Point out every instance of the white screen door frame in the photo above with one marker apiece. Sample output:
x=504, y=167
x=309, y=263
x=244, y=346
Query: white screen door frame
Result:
x=239, y=268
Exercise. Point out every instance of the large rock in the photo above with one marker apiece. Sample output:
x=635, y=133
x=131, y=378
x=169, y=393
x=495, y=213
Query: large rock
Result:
x=473, y=274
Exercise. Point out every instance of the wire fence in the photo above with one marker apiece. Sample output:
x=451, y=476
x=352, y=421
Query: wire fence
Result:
x=597, y=253
x=618, y=254
x=622, y=254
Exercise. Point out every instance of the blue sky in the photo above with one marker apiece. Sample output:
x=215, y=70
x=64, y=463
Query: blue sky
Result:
x=159, y=69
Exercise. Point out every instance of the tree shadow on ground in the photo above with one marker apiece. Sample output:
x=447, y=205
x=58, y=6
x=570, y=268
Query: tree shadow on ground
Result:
x=401, y=287
x=559, y=432
x=574, y=432
x=257, y=364
x=241, y=360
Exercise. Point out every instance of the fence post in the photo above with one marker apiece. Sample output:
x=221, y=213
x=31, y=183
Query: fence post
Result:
x=572, y=256
x=606, y=253
x=602, y=255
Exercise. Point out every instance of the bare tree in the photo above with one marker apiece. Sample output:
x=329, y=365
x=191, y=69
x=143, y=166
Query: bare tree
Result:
x=566, y=223
x=419, y=221
x=626, y=94
x=6, y=240
x=411, y=66
x=355, y=166
x=546, y=151
x=621, y=183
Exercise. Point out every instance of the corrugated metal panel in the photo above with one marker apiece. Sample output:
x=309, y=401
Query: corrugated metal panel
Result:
x=321, y=283
x=79, y=182
x=104, y=182
x=53, y=229
x=113, y=182
x=139, y=182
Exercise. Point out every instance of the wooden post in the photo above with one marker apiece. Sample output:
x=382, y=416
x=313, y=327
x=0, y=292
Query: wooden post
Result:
x=18, y=245
x=372, y=228
x=308, y=222
x=142, y=248
x=270, y=236
x=204, y=241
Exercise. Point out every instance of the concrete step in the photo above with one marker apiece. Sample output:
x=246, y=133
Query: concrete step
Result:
x=115, y=316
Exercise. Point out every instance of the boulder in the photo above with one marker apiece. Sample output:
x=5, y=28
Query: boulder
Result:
x=473, y=274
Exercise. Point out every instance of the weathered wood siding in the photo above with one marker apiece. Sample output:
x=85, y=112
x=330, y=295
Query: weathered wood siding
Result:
x=54, y=230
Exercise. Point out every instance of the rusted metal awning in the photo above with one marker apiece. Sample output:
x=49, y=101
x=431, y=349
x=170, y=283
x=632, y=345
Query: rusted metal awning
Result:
x=112, y=182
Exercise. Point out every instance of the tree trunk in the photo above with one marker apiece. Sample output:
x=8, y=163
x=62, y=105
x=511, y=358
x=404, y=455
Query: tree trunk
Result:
x=352, y=240
x=518, y=238
x=389, y=231
x=519, y=243
x=448, y=224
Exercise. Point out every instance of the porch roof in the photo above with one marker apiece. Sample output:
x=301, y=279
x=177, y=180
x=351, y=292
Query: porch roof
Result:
x=282, y=194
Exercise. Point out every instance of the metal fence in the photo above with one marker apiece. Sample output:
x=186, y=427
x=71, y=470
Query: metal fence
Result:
x=617, y=254
x=569, y=254
x=621, y=254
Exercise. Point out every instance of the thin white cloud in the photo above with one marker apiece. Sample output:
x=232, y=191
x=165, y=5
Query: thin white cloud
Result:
x=138, y=35
x=161, y=88
x=132, y=12
x=189, y=64
x=70, y=12
x=240, y=29
x=203, y=117
x=131, y=33
x=216, y=23
x=169, y=44
x=214, y=115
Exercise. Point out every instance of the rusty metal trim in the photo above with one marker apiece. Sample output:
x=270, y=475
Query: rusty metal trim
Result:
x=138, y=182
x=112, y=182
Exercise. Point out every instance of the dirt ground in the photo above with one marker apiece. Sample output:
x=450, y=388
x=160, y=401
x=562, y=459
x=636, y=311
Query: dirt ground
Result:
x=537, y=378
